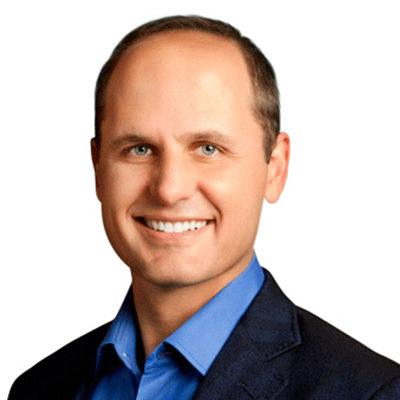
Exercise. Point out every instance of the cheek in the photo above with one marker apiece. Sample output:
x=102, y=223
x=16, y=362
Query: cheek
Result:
x=236, y=191
x=120, y=187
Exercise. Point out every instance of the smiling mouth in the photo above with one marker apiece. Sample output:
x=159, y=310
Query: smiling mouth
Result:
x=172, y=226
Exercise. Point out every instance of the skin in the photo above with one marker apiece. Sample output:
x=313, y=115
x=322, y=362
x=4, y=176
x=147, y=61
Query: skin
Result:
x=169, y=99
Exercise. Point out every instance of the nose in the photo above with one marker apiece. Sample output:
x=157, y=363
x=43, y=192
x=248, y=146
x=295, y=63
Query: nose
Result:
x=173, y=180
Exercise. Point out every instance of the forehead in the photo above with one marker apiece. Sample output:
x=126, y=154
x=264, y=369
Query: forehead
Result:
x=179, y=76
x=190, y=57
x=180, y=48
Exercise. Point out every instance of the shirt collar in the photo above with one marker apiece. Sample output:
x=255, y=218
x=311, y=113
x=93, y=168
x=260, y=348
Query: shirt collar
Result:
x=201, y=338
x=122, y=335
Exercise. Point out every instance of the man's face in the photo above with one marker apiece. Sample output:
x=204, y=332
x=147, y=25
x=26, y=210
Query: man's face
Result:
x=181, y=172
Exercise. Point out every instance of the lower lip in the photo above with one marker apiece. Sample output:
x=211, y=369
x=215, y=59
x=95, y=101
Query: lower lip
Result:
x=172, y=236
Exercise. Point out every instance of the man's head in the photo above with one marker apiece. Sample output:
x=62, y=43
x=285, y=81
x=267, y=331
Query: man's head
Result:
x=266, y=94
x=181, y=171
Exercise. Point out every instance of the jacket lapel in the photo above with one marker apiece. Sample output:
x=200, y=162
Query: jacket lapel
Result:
x=80, y=378
x=248, y=366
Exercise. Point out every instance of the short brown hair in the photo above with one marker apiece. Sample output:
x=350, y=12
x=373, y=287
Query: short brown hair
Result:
x=266, y=94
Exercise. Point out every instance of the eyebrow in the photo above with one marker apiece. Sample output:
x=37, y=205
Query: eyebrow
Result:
x=212, y=136
x=128, y=139
x=209, y=135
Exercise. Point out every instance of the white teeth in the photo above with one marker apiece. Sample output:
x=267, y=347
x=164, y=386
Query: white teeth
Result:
x=168, y=227
x=154, y=225
x=201, y=224
x=178, y=227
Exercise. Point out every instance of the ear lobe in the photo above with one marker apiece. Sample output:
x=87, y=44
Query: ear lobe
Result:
x=95, y=160
x=277, y=168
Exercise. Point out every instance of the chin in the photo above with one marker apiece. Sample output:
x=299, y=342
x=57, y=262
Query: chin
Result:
x=172, y=273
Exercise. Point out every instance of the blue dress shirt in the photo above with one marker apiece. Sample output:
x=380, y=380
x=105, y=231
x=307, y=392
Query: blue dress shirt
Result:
x=176, y=366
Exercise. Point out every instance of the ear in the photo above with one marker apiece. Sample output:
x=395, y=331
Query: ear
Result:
x=95, y=160
x=277, y=168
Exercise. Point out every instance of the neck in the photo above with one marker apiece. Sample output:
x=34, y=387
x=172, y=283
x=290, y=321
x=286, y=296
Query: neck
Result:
x=162, y=310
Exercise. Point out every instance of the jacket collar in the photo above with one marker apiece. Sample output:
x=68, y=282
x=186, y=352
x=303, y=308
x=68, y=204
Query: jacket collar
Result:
x=247, y=367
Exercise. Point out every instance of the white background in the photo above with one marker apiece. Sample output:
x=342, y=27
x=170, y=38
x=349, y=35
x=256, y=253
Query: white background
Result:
x=332, y=241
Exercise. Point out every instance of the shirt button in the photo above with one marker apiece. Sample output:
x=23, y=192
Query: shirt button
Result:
x=124, y=354
x=167, y=353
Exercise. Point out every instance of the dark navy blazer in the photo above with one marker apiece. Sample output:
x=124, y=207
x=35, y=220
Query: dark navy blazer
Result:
x=277, y=351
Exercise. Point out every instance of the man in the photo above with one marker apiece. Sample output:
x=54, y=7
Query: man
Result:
x=187, y=147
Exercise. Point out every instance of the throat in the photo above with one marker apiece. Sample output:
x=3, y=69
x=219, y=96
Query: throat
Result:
x=162, y=312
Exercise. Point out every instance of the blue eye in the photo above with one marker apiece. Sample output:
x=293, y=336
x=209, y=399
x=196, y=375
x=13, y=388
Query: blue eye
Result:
x=141, y=150
x=208, y=149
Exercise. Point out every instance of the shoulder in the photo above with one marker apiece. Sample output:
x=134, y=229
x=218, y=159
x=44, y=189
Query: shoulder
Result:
x=61, y=372
x=342, y=363
x=320, y=343
x=337, y=345
x=313, y=358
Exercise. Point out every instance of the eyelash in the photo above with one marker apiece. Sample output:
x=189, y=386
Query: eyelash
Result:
x=197, y=147
x=141, y=145
x=215, y=148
